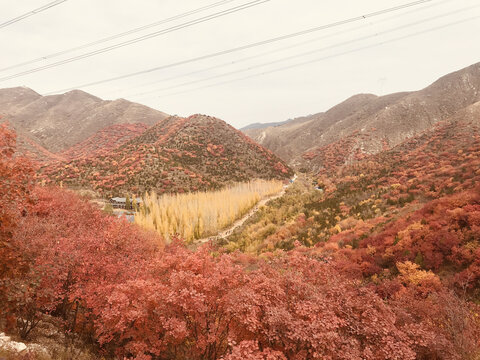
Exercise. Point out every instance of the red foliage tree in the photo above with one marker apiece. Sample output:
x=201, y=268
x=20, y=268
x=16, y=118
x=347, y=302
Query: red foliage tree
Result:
x=72, y=249
x=289, y=305
x=15, y=185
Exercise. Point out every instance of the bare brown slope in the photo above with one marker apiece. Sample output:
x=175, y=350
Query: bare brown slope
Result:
x=368, y=124
x=58, y=122
x=297, y=136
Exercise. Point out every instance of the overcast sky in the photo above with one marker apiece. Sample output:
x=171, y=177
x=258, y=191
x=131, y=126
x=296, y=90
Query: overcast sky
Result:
x=403, y=50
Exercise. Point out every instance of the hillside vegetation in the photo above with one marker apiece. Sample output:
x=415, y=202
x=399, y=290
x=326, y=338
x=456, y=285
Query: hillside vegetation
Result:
x=369, y=255
x=174, y=156
x=367, y=124
x=200, y=214
x=381, y=264
x=104, y=141
x=417, y=203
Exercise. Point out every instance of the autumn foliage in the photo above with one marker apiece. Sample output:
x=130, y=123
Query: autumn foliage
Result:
x=141, y=300
x=109, y=280
x=15, y=189
x=201, y=214
x=176, y=155
x=380, y=264
x=289, y=306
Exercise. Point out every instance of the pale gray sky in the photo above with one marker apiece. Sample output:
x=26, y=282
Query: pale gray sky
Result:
x=355, y=58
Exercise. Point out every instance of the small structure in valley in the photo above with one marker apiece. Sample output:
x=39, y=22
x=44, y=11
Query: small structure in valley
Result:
x=121, y=203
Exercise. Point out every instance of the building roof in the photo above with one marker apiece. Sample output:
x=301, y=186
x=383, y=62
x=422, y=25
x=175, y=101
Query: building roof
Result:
x=123, y=200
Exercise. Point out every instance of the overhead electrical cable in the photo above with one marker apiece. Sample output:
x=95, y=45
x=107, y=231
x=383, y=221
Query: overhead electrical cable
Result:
x=141, y=38
x=116, y=36
x=326, y=57
x=236, y=61
x=310, y=52
x=31, y=13
x=248, y=46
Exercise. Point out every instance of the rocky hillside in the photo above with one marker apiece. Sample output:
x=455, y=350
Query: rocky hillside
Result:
x=366, y=124
x=175, y=155
x=58, y=122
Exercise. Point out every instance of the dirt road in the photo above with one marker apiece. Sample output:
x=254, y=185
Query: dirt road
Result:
x=224, y=233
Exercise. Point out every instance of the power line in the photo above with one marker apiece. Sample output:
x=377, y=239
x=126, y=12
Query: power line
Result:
x=31, y=13
x=326, y=57
x=249, y=46
x=142, y=38
x=236, y=61
x=310, y=52
x=116, y=36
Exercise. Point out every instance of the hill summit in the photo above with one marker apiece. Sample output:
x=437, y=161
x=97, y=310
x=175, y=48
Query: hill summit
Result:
x=175, y=155
x=58, y=122
x=367, y=124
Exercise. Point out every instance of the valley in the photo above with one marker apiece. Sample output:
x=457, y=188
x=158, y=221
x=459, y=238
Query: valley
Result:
x=196, y=215
x=350, y=233
x=238, y=223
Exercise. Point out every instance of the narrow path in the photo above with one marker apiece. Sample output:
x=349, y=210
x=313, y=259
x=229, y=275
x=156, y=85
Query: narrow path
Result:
x=241, y=221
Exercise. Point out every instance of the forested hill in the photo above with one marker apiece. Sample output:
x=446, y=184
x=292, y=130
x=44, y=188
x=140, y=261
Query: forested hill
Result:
x=175, y=155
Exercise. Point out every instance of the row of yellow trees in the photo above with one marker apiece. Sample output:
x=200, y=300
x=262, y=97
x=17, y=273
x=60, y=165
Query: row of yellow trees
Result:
x=200, y=214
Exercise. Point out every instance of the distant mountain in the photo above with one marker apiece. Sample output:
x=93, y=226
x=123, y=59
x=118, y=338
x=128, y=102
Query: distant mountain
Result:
x=367, y=124
x=263, y=125
x=175, y=155
x=435, y=154
x=58, y=122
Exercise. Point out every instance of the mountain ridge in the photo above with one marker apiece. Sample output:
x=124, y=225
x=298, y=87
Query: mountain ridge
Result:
x=372, y=123
x=58, y=122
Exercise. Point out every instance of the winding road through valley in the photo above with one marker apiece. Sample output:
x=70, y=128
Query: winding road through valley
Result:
x=228, y=231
